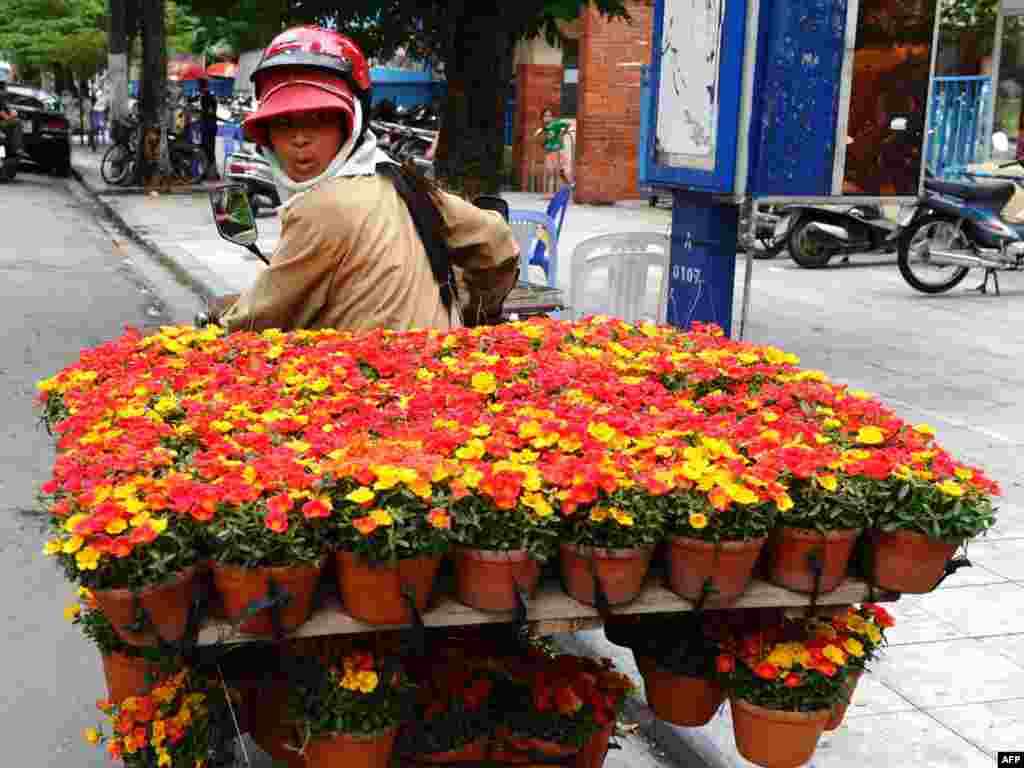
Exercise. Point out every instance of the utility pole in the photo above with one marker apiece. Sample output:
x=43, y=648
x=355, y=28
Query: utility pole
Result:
x=117, y=61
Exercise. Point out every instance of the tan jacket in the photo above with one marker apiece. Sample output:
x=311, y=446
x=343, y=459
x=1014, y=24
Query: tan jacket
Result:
x=350, y=258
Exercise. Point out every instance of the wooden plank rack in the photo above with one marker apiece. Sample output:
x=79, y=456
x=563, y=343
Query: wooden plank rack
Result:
x=551, y=611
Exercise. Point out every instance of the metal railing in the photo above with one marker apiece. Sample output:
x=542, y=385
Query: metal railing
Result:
x=958, y=123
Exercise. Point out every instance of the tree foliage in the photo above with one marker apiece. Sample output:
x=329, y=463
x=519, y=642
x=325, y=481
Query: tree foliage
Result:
x=43, y=34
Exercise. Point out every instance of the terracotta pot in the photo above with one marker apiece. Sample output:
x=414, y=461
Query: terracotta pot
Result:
x=167, y=605
x=268, y=725
x=129, y=675
x=486, y=579
x=550, y=749
x=595, y=750
x=774, y=738
x=620, y=571
x=372, y=592
x=346, y=750
x=473, y=752
x=239, y=586
x=791, y=547
x=910, y=562
x=729, y=565
x=839, y=710
x=678, y=699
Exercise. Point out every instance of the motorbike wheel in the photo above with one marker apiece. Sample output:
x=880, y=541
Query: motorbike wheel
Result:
x=189, y=163
x=802, y=248
x=10, y=169
x=914, y=259
x=116, y=166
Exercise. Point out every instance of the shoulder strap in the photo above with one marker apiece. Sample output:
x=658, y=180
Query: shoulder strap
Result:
x=428, y=221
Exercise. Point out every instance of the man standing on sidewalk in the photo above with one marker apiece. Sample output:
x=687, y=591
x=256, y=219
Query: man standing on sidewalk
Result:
x=208, y=126
x=9, y=118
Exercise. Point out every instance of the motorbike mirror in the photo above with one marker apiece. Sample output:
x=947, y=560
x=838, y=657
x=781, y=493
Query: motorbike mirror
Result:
x=1000, y=142
x=898, y=124
x=232, y=213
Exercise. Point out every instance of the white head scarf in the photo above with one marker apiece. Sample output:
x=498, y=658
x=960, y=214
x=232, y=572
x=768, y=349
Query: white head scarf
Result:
x=351, y=160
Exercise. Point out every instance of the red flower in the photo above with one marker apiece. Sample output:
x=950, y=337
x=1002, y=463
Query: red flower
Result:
x=725, y=663
x=567, y=702
x=792, y=680
x=766, y=671
x=365, y=525
x=315, y=509
x=827, y=668
x=144, y=534
x=276, y=521
x=281, y=504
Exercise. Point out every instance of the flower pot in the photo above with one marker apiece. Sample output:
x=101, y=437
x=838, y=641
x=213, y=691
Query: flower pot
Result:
x=473, y=752
x=678, y=699
x=128, y=675
x=167, y=606
x=487, y=579
x=531, y=747
x=595, y=750
x=773, y=738
x=729, y=565
x=910, y=562
x=620, y=571
x=349, y=750
x=269, y=727
x=790, y=549
x=372, y=592
x=839, y=710
x=239, y=587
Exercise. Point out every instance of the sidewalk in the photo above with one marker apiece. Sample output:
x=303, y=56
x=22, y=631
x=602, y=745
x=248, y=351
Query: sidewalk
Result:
x=949, y=692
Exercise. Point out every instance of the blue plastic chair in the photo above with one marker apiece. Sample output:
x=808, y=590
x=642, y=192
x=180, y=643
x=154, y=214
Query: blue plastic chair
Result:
x=538, y=243
x=556, y=210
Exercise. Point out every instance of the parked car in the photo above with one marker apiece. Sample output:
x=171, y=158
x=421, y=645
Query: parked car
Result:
x=46, y=134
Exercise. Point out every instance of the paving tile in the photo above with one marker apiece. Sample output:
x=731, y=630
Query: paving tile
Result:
x=949, y=673
x=915, y=624
x=1002, y=558
x=873, y=697
x=996, y=609
x=977, y=575
x=1010, y=646
x=993, y=726
x=1009, y=524
x=898, y=739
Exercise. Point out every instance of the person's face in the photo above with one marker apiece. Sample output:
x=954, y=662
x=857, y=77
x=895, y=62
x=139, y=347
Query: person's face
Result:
x=547, y=117
x=306, y=142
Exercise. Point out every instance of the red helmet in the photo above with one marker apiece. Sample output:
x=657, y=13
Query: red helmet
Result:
x=305, y=69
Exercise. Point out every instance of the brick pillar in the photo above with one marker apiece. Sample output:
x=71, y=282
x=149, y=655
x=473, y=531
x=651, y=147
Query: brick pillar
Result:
x=537, y=86
x=608, y=116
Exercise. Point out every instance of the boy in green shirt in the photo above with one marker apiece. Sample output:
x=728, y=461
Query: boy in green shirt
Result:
x=555, y=162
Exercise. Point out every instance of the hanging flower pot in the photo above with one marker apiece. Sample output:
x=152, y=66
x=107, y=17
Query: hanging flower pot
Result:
x=166, y=605
x=679, y=699
x=910, y=562
x=373, y=592
x=594, y=750
x=839, y=710
x=729, y=565
x=487, y=579
x=128, y=675
x=791, y=548
x=239, y=587
x=349, y=750
x=774, y=738
x=621, y=572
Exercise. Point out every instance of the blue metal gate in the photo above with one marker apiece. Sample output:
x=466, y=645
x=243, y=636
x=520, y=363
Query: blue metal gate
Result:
x=958, y=109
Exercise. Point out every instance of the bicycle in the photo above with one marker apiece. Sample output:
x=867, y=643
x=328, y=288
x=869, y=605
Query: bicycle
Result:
x=188, y=161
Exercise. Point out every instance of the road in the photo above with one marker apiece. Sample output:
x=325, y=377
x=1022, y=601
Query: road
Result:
x=70, y=281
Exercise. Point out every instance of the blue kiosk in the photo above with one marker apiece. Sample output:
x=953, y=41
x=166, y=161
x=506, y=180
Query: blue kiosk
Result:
x=754, y=101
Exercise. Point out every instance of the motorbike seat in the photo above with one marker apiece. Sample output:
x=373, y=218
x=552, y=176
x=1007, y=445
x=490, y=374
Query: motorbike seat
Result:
x=998, y=194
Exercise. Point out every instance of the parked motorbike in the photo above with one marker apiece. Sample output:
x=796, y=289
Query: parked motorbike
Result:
x=247, y=166
x=8, y=155
x=815, y=235
x=959, y=227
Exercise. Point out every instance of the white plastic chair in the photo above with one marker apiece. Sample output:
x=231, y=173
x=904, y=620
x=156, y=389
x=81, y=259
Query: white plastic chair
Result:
x=527, y=225
x=635, y=268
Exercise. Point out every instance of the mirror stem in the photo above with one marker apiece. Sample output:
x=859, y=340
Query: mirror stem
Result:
x=255, y=249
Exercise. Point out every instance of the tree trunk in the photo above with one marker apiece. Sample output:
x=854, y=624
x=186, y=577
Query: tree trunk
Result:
x=470, y=153
x=117, y=61
x=152, y=162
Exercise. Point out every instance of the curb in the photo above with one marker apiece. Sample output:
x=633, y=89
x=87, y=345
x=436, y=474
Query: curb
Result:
x=183, y=275
x=683, y=747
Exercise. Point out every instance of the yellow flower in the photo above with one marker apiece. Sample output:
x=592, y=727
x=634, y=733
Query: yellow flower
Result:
x=598, y=514
x=853, y=647
x=621, y=517
x=698, y=520
x=741, y=494
x=72, y=522
x=116, y=526
x=382, y=517
x=163, y=758
x=832, y=423
x=924, y=429
x=538, y=504
x=874, y=633
x=361, y=496
x=474, y=449
x=72, y=612
x=784, y=502
x=950, y=488
x=870, y=436
x=828, y=482
x=52, y=547
x=484, y=383
x=87, y=559
x=834, y=654
x=158, y=524
x=92, y=735
x=367, y=681
x=72, y=545
x=601, y=432
x=159, y=733
x=963, y=473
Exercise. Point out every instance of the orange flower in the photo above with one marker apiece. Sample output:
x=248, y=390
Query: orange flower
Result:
x=276, y=521
x=365, y=525
x=280, y=504
x=439, y=518
x=316, y=509
x=567, y=702
x=766, y=671
x=725, y=663
x=792, y=680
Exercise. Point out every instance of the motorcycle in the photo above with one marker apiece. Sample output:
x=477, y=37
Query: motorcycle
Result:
x=959, y=227
x=8, y=155
x=248, y=167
